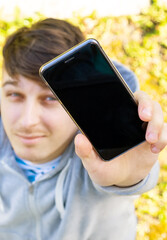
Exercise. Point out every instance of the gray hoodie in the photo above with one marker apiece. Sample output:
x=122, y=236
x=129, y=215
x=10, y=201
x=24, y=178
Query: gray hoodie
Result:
x=65, y=204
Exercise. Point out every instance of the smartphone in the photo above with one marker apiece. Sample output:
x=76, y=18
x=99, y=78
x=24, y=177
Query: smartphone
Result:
x=96, y=97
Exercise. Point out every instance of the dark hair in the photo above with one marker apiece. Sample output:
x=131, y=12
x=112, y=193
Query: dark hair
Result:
x=28, y=48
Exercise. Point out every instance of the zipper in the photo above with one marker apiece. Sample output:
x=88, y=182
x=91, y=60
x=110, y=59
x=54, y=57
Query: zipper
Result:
x=31, y=199
x=34, y=211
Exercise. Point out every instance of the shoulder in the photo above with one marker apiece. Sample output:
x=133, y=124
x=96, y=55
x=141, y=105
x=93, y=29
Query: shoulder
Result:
x=128, y=76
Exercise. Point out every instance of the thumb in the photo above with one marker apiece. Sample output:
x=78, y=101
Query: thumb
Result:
x=84, y=148
x=94, y=165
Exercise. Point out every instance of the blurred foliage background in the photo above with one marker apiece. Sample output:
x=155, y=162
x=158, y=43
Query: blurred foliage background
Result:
x=139, y=42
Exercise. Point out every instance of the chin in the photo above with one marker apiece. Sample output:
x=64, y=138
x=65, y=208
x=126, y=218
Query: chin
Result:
x=28, y=156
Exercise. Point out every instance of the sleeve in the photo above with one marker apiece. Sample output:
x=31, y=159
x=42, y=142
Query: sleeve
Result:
x=129, y=77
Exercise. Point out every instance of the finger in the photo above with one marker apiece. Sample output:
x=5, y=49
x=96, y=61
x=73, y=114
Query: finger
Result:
x=83, y=146
x=155, y=125
x=99, y=171
x=161, y=144
x=145, y=107
x=85, y=151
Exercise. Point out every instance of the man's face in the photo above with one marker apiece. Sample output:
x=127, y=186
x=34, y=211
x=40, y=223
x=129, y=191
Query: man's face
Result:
x=36, y=124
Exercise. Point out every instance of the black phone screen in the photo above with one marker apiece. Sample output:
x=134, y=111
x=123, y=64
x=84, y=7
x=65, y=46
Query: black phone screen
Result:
x=97, y=99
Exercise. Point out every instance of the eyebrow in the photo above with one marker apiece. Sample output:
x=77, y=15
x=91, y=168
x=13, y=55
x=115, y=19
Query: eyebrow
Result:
x=10, y=82
x=15, y=83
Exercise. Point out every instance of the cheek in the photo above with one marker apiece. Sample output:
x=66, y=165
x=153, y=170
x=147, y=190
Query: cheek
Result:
x=61, y=123
x=10, y=116
x=68, y=122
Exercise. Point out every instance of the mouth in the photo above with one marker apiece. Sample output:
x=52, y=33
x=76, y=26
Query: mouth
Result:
x=30, y=140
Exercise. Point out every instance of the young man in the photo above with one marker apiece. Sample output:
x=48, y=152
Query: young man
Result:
x=47, y=190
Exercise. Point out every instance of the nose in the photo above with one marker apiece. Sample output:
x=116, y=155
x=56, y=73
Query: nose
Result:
x=30, y=115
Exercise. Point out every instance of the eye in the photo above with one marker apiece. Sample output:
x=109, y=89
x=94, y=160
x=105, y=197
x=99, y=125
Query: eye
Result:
x=50, y=98
x=14, y=95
